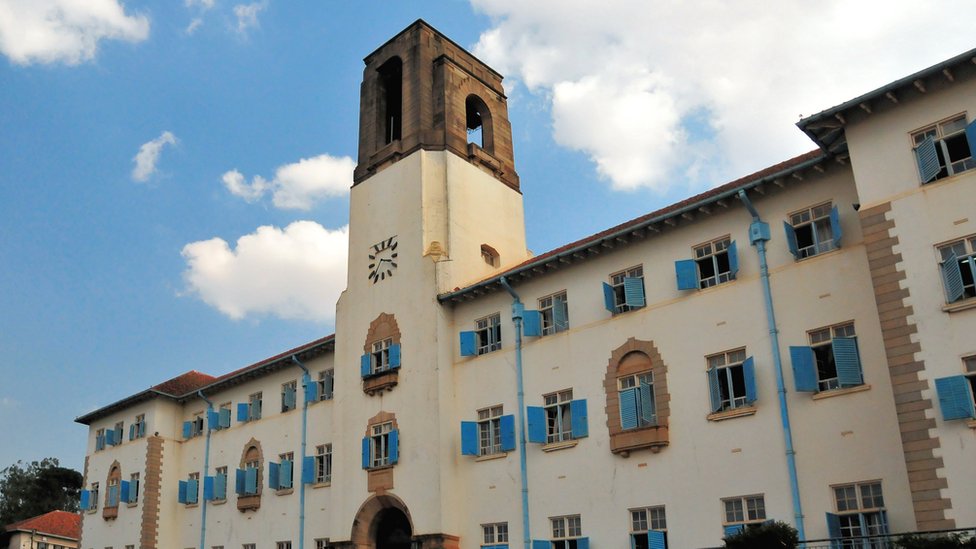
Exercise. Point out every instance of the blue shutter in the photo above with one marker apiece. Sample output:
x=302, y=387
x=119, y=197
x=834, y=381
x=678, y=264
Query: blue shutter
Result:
x=609, y=301
x=187, y=429
x=285, y=472
x=536, y=416
x=365, y=365
x=580, y=419
x=634, y=292
x=733, y=529
x=242, y=412
x=541, y=544
x=274, y=475
x=288, y=398
x=469, y=344
x=251, y=480
x=560, y=313
x=791, y=240
x=192, y=487
x=835, y=226
x=208, y=488
x=308, y=470
x=628, y=408
x=733, y=260
x=686, y=270
x=833, y=526
x=126, y=491
x=224, y=418
x=100, y=442
x=240, y=482
x=469, y=438
x=142, y=429
x=655, y=540
x=749, y=373
x=928, y=158
x=220, y=487
x=213, y=419
x=85, y=503
x=582, y=543
x=847, y=361
x=395, y=355
x=884, y=521
x=109, y=437
x=507, y=425
x=532, y=323
x=971, y=137
x=955, y=398
x=118, y=435
x=647, y=404
x=714, y=392
x=804, y=369
x=394, y=446
x=132, y=431
x=181, y=493
x=952, y=277
x=311, y=389
x=366, y=456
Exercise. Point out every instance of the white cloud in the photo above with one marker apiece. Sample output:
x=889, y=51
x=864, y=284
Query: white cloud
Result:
x=8, y=403
x=247, y=15
x=148, y=156
x=297, y=186
x=660, y=93
x=65, y=31
x=295, y=273
x=201, y=4
x=194, y=25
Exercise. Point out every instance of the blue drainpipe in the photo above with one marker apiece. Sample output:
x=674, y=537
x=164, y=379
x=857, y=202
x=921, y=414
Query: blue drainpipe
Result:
x=517, y=309
x=206, y=471
x=758, y=235
x=306, y=380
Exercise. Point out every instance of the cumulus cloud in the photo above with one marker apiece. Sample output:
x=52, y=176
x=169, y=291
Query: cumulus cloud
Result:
x=199, y=6
x=65, y=31
x=247, y=15
x=657, y=92
x=148, y=156
x=297, y=186
x=293, y=273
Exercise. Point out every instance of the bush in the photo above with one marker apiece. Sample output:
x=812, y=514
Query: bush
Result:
x=771, y=535
x=952, y=541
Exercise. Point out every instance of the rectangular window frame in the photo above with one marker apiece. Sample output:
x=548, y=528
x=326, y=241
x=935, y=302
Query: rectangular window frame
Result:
x=494, y=533
x=959, y=283
x=326, y=384
x=731, y=376
x=713, y=262
x=380, y=444
x=817, y=220
x=744, y=510
x=826, y=367
x=558, y=412
x=490, y=430
x=618, y=286
x=289, y=396
x=554, y=313
x=945, y=140
x=323, y=463
x=488, y=333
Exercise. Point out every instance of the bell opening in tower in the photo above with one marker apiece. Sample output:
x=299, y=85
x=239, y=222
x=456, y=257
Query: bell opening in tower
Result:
x=391, y=94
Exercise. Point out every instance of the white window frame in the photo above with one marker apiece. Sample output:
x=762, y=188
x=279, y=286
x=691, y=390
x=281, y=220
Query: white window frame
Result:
x=289, y=456
x=255, y=403
x=140, y=423
x=283, y=545
x=744, y=510
x=942, y=132
x=379, y=356
x=488, y=333
x=631, y=381
x=565, y=531
x=100, y=434
x=559, y=419
x=856, y=509
x=731, y=377
x=380, y=444
x=196, y=424
x=322, y=543
x=821, y=341
x=134, y=488
x=323, y=376
x=490, y=430
x=218, y=471
x=713, y=257
x=817, y=218
x=323, y=463
x=645, y=519
x=293, y=385
x=965, y=251
x=494, y=533
x=546, y=308
x=617, y=283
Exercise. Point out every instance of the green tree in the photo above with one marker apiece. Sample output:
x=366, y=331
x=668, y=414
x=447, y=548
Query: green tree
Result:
x=771, y=535
x=37, y=488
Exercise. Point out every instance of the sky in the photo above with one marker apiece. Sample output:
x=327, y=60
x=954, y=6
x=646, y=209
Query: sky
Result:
x=174, y=176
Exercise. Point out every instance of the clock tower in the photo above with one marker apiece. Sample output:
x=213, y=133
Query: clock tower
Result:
x=436, y=204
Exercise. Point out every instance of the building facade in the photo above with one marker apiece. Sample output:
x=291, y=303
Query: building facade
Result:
x=794, y=345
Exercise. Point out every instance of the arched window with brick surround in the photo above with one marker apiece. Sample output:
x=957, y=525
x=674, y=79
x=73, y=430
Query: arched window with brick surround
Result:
x=638, y=402
x=112, y=491
x=478, y=123
x=250, y=477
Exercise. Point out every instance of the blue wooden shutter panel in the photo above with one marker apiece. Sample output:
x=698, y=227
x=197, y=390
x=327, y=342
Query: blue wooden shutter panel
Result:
x=971, y=138
x=273, y=475
x=835, y=226
x=240, y=482
x=733, y=529
x=733, y=260
x=365, y=365
x=580, y=421
x=833, y=525
x=213, y=419
x=208, y=488
x=394, y=446
x=532, y=323
x=395, y=355
x=308, y=470
x=714, y=393
x=311, y=389
x=224, y=418
x=187, y=429
x=142, y=429
x=609, y=301
x=536, y=416
x=286, y=472
x=242, y=412
x=655, y=540
x=366, y=456
x=628, y=408
x=181, y=492
x=469, y=438
x=749, y=373
x=541, y=544
x=686, y=271
x=582, y=543
x=634, y=292
x=928, y=158
x=220, y=487
x=955, y=398
x=804, y=369
x=647, y=403
x=791, y=240
x=952, y=277
x=251, y=481
x=192, y=489
x=847, y=361
x=132, y=431
x=124, y=491
x=469, y=344
x=85, y=502
x=507, y=425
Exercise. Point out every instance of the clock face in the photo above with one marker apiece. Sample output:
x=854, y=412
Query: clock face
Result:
x=382, y=259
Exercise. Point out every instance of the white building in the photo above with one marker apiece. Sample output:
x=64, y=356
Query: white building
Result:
x=656, y=390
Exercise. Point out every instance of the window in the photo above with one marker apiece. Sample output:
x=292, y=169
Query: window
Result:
x=832, y=360
x=566, y=531
x=391, y=101
x=189, y=489
x=322, y=543
x=247, y=480
x=860, y=512
x=117, y=434
x=555, y=313
x=813, y=231
x=323, y=463
x=138, y=427
x=220, y=483
x=326, y=384
x=731, y=380
x=381, y=447
x=133, y=495
x=384, y=356
x=478, y=122
x=625, y=291
x=944, y=149
x=284, y=545
x=99, y=440
x=248, y=546
x=94, y=496
x=559, y=416
x=381, y=355
x=743, y=511
x=254, y=407
x=714, y=262
x=959, y=269
x=957, y=394
x=288, y=392
x=194, y=427
x=489, y=430
x=489, y=333
x=223, y=416
x=280, y=475
x=636, y=397
x=648, y=528
x=112, y=496
x=495, y=534
x=490, y=255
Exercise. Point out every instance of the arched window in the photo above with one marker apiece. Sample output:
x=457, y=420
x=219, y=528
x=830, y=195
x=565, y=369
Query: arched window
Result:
x=391, y=99
x=490, y=255
x=638, y=402
x=478, y=122
x=112, y=492
x=252, y=477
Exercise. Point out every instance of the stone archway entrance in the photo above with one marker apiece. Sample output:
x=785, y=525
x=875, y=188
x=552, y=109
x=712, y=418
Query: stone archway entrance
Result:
x=392, y=530
x=383, y=522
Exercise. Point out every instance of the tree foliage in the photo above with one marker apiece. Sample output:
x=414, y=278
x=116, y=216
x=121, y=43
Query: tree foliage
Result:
x=951, y=541
x=772, y=535
x=37, y=488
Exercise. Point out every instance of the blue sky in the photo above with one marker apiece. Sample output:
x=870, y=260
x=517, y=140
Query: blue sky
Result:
x=224, y=242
